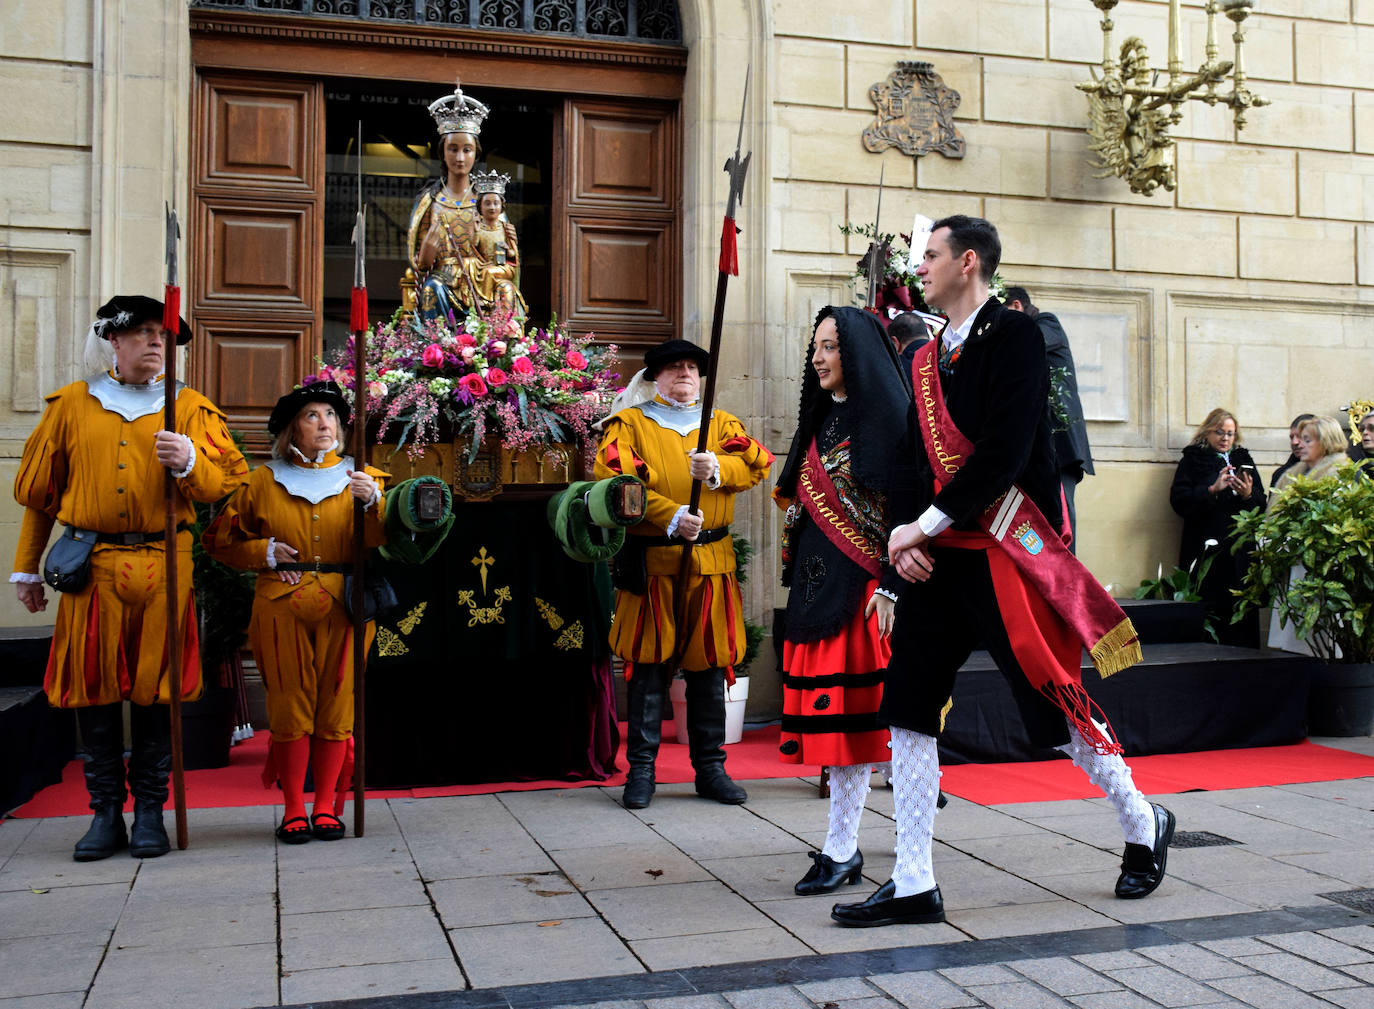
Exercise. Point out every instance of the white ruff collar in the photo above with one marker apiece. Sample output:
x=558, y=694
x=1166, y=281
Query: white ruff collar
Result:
x=129, y=401
x=311, y=483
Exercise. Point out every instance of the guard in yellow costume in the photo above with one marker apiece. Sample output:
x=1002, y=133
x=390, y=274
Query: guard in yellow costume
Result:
x=656, y=441
x=96, y=464
x=293, y=524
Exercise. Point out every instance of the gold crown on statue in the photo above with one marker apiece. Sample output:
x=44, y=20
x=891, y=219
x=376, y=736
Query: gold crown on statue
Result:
x=489, y=182
x=458, y=113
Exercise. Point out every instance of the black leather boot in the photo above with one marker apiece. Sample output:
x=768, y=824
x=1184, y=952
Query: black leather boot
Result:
x=706, y=736
x=150, y=763
x=102, y=735
x=644, y=729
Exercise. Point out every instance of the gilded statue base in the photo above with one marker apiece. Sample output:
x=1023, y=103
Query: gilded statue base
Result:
x=495, y=471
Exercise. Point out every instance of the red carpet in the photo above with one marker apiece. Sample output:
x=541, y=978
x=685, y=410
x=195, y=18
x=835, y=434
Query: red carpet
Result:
x=756, y=756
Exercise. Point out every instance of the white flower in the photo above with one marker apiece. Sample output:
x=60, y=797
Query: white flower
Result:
x=441, y=386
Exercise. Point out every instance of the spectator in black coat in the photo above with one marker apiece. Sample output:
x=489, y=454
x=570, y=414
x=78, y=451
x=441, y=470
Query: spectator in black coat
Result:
x=909, y=330
x=1071, y=449
x=1215, y=480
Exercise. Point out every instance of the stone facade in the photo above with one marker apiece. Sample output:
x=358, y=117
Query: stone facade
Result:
x=1251, y=286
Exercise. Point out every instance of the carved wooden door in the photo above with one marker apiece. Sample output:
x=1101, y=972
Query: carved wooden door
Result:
x=617, y=245
x=256, y=228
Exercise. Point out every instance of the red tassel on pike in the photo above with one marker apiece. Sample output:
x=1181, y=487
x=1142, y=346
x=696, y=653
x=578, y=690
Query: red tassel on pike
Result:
x=171, y=309
x=357, y=313
x=729, y=254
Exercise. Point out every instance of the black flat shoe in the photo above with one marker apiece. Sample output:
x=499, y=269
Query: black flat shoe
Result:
x=1142, y=868
x=826, y=874
x=326, y=827
x=294, y=831
x=884, y=909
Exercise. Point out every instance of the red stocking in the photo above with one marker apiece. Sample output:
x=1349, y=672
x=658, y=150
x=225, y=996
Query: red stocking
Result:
x=292, y=760
x=327, y=759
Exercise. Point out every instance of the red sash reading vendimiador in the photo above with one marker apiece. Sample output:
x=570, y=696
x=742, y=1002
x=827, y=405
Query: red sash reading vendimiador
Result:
x=1017, y=527
x=822, y=501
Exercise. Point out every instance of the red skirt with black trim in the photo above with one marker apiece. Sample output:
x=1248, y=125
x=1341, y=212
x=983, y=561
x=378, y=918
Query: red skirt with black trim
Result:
x=831, y=695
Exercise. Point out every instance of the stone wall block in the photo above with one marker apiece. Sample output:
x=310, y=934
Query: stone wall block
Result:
x=869, y=65
x=1320, y=10
x=1254, y=180
x=1364, y=122
x=824, y=145
x=1035, y=93
x=1005, y=160
x=807, y=216
x=57, y=30
x=1037, y=233
x=1333, y=55
x=46, y=104
x=1301, y=116
x=1282, y=248
x=808, y=72
x=1002, y=27
x=878, y=21
x=1363, y=12
x=46, y=188
x=1177, y=242
x=1338, y=186
x=1364, y=242
x=1076, y=30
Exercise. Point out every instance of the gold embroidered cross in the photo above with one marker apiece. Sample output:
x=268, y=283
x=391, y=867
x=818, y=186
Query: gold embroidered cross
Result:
x=482, y=561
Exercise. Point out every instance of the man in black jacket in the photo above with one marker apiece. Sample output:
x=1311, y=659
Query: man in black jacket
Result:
x=1071, y=450
x=977, y=509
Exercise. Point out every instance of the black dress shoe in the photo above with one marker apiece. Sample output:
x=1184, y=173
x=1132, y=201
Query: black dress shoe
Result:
x=884, y=909
x=1142, y=868
x=826, y=874
x=716, y=784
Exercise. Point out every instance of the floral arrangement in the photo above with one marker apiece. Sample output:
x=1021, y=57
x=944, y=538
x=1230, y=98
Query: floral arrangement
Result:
x=488, y=378
x=899, y=288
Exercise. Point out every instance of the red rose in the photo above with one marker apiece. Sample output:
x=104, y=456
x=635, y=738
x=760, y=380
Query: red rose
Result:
x=473, y=385
x=576, y=360
x=496, y=377
x=466, y=340
x=522, y=366
x=433, y=357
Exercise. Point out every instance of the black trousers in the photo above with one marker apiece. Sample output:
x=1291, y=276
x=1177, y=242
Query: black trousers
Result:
x=939, y=623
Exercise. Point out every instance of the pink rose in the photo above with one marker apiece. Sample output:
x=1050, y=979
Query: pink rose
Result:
x=496, y=377
x=467, y=340
x=522, y=366
x=513, y=327
x=498, y=346
x=433, y=357
x=377, y=390
x=473, y=385
x=576, y=360
x=467, y=353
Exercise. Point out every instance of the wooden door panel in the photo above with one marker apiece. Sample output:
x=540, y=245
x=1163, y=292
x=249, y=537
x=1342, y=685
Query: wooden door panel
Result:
x=257, y=254
x=621, y=270
x=252, y=364
x=259, y=134
x=623, y=158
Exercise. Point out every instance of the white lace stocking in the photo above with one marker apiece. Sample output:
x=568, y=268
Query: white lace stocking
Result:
x=915, y=789
x=848, y=793
x=1111, y=774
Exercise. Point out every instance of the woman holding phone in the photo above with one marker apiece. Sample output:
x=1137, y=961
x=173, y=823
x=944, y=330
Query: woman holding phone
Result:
x=1215, y=480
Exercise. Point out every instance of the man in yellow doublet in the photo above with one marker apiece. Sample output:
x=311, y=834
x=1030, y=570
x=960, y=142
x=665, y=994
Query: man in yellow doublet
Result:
x=96, y=462
x=656, y=441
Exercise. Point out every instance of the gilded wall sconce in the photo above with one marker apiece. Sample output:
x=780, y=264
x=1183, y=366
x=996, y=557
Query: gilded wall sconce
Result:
x=1130, y=114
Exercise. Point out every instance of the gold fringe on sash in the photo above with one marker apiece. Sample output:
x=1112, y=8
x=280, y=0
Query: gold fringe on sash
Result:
x=1116, y=650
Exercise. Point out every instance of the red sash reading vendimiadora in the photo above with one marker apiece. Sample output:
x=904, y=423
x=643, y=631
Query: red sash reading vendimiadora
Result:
x=822, y=502
x=1016, y=526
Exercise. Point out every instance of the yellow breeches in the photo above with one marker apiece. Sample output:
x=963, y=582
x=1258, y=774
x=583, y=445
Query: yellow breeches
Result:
x=643, y=628
x=109, y=640
x=303, y=643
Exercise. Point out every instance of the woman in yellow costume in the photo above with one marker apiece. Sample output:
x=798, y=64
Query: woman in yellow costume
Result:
x=293, y=523
x=452, y=276
x=656, y=440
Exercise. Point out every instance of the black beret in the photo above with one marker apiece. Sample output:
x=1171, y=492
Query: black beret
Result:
x=127, y=311
x=674, y=350
x=316, y=392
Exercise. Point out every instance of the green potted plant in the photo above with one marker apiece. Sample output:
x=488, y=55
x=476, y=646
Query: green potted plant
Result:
x=1312, y=560
x=1182, y=590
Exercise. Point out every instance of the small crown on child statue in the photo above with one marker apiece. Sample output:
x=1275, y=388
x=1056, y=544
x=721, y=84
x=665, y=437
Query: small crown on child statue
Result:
x=489, y=182
x=458, y=113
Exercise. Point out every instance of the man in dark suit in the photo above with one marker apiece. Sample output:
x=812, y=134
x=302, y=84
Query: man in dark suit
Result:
x=976, y=524
x=909, y=330
x=1070, y=430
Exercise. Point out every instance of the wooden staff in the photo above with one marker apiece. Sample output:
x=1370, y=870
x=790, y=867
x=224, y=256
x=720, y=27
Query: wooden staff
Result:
x=357, y=322
x=735, y=168
x=171, y=329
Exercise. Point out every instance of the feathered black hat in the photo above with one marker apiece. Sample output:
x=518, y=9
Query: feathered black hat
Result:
x=127, y=311
x=874, y=389
x=316, y=392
